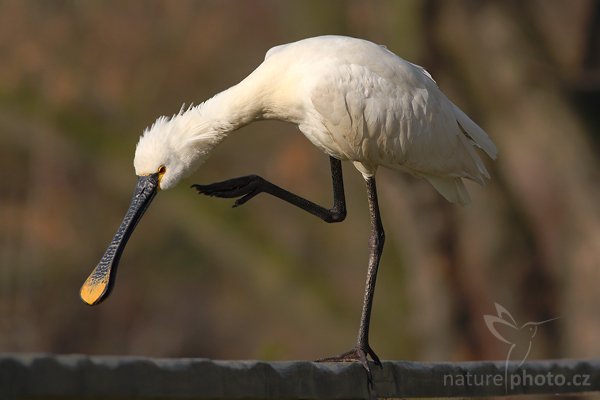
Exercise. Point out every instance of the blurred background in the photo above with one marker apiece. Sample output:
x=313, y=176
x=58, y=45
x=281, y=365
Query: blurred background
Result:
x=80, y=80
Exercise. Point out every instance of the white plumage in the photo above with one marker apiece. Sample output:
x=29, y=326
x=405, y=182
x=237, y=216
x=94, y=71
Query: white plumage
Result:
x=353, y=99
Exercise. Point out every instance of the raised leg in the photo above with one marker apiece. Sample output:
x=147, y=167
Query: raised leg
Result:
x=246, y=187
x=376, y=241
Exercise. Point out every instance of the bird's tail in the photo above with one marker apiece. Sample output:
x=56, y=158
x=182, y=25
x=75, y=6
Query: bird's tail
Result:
x=453, y=189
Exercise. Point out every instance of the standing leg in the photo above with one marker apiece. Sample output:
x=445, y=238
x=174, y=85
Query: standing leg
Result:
x=376, y=241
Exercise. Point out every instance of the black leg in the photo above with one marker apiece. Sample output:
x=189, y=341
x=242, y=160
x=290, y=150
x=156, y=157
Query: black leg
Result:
x=376, y=241
x=246, y=187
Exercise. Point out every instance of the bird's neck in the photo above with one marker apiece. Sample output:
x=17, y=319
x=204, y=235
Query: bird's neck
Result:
x=219, y=115
x=261, y=95
x=198, y=129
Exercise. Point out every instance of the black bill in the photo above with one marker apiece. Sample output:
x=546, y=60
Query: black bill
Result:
x=98, y=285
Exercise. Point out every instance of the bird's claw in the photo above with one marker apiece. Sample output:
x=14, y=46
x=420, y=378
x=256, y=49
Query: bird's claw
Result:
x=244, y=187
x=360, y=354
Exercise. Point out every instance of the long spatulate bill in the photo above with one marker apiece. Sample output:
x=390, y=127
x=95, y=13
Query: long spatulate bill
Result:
x=99, y=284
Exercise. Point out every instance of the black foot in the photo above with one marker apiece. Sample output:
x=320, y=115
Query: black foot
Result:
x=244, y=187
x=359, y=354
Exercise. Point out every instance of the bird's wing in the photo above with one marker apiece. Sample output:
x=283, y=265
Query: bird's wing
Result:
x=475, y=133
x=395, y=115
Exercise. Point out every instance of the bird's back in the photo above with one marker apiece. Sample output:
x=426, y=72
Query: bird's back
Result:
x=358, y=101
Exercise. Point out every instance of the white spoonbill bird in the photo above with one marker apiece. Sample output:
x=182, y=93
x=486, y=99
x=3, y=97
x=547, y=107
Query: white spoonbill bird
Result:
x=353, y=99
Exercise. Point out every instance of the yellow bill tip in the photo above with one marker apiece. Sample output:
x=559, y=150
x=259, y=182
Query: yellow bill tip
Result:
x=93, y=290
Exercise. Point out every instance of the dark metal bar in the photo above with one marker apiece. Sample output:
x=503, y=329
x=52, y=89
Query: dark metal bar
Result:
x=106, y=377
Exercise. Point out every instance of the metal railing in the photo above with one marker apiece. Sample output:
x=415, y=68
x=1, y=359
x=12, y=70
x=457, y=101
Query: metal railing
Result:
x=107, y=377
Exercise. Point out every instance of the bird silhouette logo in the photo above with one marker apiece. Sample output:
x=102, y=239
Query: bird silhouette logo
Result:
x=520, y=338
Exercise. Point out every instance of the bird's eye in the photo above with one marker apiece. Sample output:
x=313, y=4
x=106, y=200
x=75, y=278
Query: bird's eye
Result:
x=162, y=170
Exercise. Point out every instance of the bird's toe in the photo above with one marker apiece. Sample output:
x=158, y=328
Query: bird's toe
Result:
x=358, y=354
x=244, y=187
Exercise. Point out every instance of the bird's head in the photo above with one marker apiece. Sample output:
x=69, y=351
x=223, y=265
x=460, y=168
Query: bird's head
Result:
x=173, y=148
x=166, y=152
